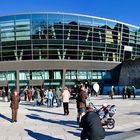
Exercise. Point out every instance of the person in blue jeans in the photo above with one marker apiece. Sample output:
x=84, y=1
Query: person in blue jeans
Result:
x=50, y=97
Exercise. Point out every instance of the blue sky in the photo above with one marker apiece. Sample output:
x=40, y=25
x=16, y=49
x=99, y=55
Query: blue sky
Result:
x=122, y=10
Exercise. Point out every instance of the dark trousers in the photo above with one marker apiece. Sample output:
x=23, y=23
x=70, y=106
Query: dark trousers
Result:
x=66, y=108
x=124, y=96
x=83, y=136
x=14, y=114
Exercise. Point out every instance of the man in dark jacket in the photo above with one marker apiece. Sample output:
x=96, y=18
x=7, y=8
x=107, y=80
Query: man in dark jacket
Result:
x=15, y=99
x=92, y=127
x=81, y=102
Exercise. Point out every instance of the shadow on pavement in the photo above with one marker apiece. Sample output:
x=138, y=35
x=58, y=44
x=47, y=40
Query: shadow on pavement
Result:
x=39, y=110
x=74, y=133
x=39, y=136
x=138, y=129
x=5, y=117
x=121, y=135
x=133, y=113
x=106, y=133
x=109, y=133
x=61, y=122
x=26, y=103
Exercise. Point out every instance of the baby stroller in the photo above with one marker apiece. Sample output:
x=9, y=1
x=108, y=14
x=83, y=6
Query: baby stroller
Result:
x=106, y=112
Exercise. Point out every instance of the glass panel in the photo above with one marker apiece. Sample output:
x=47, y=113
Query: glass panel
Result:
x=85, y=20
x=73, y=74
x=23, y=16
x=7, y=23
x=46, y=75
x=67, y=75
x=39, y=16
x=138, y=41
x=23, y=38
x=39, y=21
x=81, y=74
x=55, y=16
x=94, y=75
x=7, y=18
x=2, y=76
x=99, y=22
x=109, y=36
x=106, y=75
x=71, y=19
x=24, y=76
x=111, y=24
x=7, y=29
x=37, y=75
x=23, y=33
x=54, y=21
x=23, y=27
x=7, y=34
x=7, y=76
x=11, y=76
x=22, y=22
x=89, y=75
x=8, y=39
x=133, y=29
x=57, y=75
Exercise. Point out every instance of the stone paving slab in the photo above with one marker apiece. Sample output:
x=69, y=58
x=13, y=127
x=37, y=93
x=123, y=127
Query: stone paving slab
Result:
x=42, y=123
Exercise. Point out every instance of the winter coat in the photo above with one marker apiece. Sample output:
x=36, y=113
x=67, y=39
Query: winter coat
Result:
x=92, y=127
x=15, y=101
x=65, y=96
x=81, y=99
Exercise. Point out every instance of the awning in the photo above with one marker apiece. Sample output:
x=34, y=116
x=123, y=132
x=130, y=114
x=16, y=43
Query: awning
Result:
x=3, y=83
x=36, y=82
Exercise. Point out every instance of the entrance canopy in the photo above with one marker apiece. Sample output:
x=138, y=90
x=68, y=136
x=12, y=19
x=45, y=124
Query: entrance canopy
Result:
x=3, y=83
x=36, y=82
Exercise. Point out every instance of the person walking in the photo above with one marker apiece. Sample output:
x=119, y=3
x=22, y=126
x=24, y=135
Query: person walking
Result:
x=50, y=97
x=81, y=102
x=124, y=92
x=29, y=94
x=15, y=99
x=92, y=127
x=36, y=96
x=9, y=95
x=58, y=97
x=134, y=91
x=65, y=98
x=42, y=97
x=3, y=94
x=54, y=96
x=111, y=92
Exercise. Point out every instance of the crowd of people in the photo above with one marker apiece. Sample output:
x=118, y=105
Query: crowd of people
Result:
x=86, y=118
x=41, y=96
x=126, y=92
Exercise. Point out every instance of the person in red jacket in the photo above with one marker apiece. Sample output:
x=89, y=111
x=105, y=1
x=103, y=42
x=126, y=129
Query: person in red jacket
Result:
x=15, y=99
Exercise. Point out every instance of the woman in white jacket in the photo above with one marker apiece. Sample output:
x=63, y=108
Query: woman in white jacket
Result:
x=65, y=98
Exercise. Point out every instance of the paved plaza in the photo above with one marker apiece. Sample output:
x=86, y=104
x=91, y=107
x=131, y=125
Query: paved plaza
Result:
x=42, y=123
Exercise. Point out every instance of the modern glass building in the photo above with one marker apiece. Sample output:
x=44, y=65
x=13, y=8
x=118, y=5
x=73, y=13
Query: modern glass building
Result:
x=57, y=49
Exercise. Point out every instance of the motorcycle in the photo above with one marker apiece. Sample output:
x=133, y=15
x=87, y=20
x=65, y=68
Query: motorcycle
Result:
x=106, y=112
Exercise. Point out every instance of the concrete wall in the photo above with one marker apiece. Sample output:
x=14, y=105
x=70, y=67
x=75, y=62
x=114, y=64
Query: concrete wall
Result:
x=130, y=73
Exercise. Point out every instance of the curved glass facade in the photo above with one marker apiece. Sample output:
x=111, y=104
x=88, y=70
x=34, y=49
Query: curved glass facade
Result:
x=49, y=36
x=76, y=43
